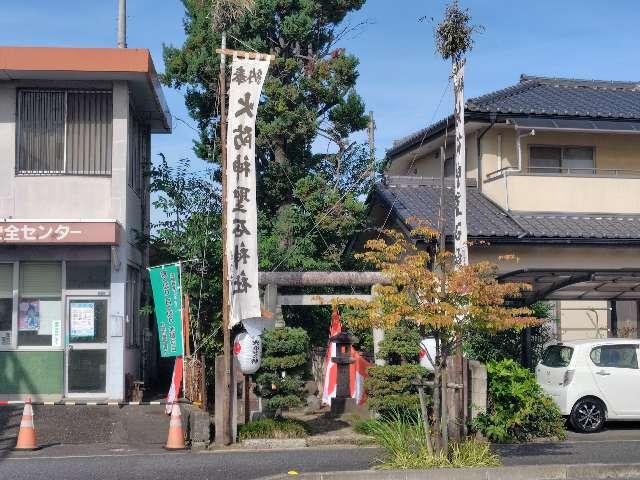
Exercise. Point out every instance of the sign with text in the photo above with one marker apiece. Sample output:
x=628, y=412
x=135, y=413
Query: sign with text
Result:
x=247, y=78
x=59, y=233
x=167, y=300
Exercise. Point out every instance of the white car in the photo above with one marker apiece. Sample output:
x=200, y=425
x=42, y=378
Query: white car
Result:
x=593, y=381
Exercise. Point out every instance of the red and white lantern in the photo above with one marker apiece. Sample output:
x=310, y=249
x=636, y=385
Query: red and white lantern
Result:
x=248, y=350
x=427, y=349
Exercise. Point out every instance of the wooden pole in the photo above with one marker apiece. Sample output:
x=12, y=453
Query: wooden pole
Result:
x=247, y=403
x=227, y=389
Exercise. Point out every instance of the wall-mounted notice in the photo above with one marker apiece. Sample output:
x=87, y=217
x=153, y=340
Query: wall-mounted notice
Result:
x=5, y=338
x=29, y=316
x=56, y=333
x=82, y=319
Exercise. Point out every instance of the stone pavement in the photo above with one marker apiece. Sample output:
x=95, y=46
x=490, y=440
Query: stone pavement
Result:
x=135, y=426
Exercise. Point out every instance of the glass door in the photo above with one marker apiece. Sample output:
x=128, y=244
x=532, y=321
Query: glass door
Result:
x=86, y=349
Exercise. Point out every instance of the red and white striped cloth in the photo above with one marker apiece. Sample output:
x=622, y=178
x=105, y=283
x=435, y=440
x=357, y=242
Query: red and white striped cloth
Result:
x=357, y=370
x=176, y=383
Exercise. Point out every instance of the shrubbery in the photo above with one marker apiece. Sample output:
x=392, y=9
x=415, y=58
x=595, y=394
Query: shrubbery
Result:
x=273, y=428
x=402, y=437
x=280, y=379
x=390, y=387
x=518, y=410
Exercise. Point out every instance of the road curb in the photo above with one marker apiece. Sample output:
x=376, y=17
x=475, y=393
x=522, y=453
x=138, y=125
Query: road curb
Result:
x=522, y=472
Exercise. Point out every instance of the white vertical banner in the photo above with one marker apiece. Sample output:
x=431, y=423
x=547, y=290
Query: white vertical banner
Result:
x=247, y=77
x=461, y=249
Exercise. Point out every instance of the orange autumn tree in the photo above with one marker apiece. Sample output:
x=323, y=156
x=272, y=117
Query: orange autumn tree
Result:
x=443, y=301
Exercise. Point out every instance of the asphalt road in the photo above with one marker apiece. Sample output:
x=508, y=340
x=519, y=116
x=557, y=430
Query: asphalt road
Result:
x=81, y=463
x=159, y=465
x=618, y=444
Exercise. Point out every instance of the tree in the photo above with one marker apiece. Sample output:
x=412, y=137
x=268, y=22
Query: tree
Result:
x=391, y=387
x=442, y=300
x=308, y=202
x=279, y=381
x=189, y=231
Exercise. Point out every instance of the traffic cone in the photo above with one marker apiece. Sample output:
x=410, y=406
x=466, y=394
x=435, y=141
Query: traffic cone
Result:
x=27, y=433
x=175, y=440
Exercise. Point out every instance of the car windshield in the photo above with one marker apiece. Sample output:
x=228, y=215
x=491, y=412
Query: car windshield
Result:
x=557, y=356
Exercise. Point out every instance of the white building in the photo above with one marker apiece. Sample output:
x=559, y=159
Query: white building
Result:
x=75, y=127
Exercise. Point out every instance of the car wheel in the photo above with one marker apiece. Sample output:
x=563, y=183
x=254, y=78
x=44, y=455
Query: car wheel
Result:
x=588, y=415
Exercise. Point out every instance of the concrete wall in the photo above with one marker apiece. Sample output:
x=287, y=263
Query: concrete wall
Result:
x=425, y=162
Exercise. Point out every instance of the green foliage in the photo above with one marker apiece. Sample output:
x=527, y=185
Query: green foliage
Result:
x=279, y=380
x=273, y=428
x=453, y=35
x=189, y=228
x=365, y=426
x=489, y=346
x=390, y=387
x=401, y=345
x=518, y=410
x=402, y=437
x=309, y=202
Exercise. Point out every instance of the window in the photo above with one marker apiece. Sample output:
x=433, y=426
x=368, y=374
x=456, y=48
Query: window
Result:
x=64, y=132
x=139, y=140
x=88, y=275
x=548, y=159
x=615, y=356
x=133, y=307
x=6, y=305
x=557, y=356
x=39, y=307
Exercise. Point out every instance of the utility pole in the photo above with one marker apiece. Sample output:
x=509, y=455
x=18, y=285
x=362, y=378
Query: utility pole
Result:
x=371, y=131
x=122, y=24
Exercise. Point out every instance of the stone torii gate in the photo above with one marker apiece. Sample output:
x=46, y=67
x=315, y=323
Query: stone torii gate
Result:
x=273, y=300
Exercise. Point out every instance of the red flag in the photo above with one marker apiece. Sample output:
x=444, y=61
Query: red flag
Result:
x=176, y=382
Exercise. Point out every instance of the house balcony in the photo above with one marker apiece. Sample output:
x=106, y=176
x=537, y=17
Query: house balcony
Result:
x=567, y=190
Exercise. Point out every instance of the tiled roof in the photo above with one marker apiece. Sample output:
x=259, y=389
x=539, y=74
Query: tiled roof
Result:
x=485, y=219
x=563, y=97
x=549, y=97
x=552, y=225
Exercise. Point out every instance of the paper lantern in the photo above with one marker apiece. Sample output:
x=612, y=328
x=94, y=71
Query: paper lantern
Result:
x=248, y=351
x=427, y=345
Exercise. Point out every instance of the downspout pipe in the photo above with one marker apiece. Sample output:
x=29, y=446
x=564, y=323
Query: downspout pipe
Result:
x=520, y=136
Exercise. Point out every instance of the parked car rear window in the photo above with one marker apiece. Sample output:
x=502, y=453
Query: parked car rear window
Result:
x=557, y=356
x=615, y=356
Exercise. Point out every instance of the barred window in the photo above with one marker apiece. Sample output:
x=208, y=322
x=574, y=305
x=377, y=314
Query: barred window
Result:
x=64, y=132
x=139, y=141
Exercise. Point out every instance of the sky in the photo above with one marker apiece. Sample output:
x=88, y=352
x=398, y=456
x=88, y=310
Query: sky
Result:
x=402, y=79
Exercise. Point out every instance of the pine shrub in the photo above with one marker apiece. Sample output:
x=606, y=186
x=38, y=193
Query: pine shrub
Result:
x=390, y=387
x=280, y=379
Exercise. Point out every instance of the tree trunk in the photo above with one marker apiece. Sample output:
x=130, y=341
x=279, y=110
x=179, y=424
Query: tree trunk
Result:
x=444, y=413
x=425, y=419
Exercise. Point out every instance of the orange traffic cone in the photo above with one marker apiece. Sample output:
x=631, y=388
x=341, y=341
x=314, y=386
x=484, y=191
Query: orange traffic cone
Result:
x=27, y=433
x=175, y=440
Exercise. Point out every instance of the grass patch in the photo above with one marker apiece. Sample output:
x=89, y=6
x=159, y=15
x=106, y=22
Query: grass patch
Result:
x=402, y=437
x=365, y=426
x=278, y=428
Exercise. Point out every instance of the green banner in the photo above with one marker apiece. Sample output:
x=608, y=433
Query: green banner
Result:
x=167, y=298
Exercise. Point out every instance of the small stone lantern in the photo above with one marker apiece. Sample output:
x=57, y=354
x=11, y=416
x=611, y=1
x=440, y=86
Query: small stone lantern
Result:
x=343, y=402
